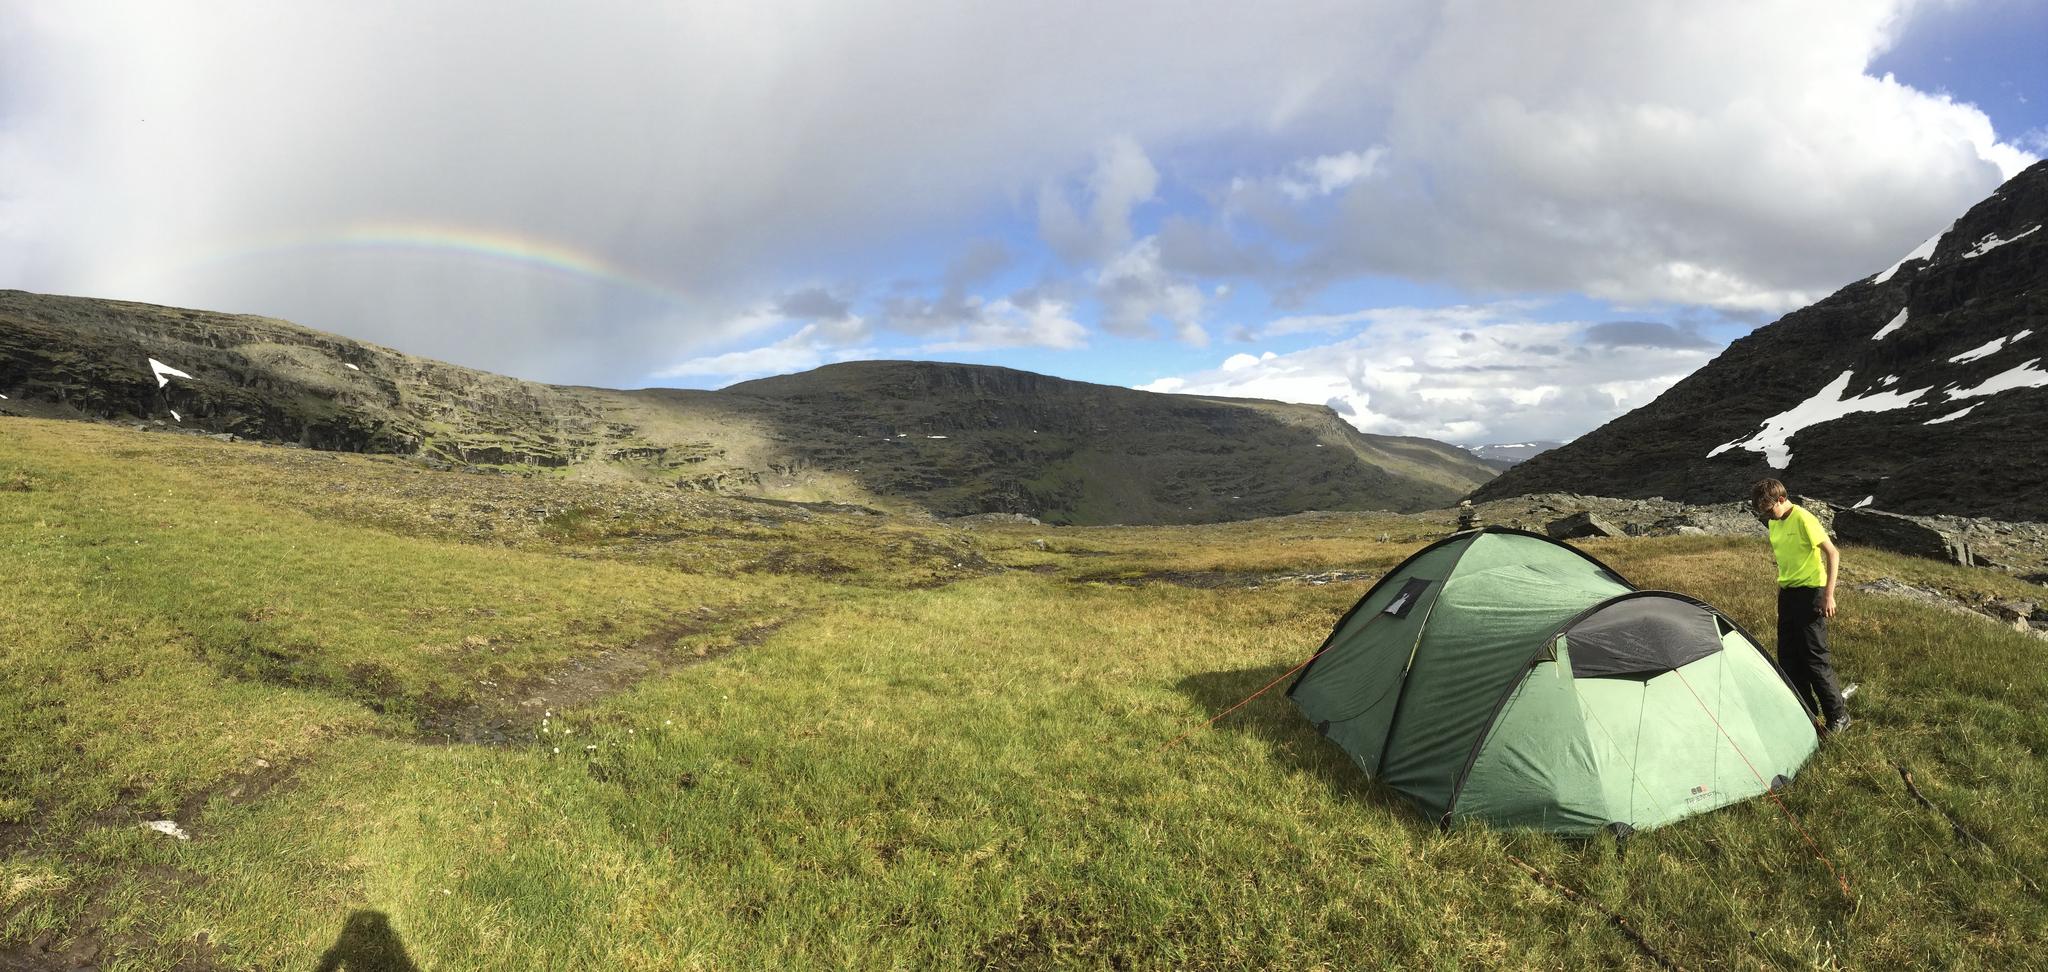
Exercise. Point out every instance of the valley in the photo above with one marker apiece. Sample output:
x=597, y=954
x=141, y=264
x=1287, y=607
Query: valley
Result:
x=516, y=722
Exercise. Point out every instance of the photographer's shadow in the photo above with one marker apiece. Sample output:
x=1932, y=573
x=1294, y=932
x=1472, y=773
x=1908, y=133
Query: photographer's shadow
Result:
x=367, y=944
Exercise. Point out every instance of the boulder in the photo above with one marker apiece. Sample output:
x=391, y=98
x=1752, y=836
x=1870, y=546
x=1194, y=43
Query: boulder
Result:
x=2019, y=614
x=1821, y=509
x=1902, y=534
x=1581, y=525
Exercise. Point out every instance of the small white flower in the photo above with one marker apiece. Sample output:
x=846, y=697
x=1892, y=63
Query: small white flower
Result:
x=558, y=750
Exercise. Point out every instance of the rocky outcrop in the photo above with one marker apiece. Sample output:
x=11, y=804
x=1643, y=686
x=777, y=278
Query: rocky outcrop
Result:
x=1652, y=517
x=1902, y=534
x=1581, y=525
x=2025, y=617
x=2016, y=548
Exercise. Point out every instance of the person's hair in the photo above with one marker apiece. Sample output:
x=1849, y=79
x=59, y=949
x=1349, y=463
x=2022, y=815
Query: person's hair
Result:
x=1767, y=490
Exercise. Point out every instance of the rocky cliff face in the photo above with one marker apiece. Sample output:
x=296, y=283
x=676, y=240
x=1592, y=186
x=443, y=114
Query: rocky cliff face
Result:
x=1921, y=388
x=950, y=439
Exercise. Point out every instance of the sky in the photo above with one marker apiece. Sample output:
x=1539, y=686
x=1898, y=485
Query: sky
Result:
x=1473, y=220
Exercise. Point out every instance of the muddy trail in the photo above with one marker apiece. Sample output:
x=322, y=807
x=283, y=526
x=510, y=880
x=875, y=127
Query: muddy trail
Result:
x=1221, y=579
x=86, y=942
x=509, y=713
x=501, y=714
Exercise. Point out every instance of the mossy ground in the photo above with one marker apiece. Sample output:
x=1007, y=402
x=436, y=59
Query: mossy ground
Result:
x=865, y=742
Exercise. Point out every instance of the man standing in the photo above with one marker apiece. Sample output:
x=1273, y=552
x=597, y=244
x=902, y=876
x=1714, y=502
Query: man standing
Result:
x=1807, y=566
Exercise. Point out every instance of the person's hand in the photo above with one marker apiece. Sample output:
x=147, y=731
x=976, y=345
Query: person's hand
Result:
x=1827, y=605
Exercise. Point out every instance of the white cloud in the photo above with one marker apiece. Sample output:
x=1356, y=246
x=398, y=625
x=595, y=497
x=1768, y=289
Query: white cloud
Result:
x=1484, y=374
x=1122, y=179
x=1326, y=174
x=1005, y=324
x=1136, y=290
x=678, y=161
x=967, y=324
x=1733, y=157
x=1456, y=315
x=809, y=346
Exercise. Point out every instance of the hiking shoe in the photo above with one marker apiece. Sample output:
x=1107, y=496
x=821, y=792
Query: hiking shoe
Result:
x=1838, y=723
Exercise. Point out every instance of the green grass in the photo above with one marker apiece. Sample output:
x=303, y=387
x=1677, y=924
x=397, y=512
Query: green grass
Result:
x=895, y=753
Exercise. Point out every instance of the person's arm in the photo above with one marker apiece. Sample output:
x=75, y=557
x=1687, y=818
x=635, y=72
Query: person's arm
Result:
x=1833, y=559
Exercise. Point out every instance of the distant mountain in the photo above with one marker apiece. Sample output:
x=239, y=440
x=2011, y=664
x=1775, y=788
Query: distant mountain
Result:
x=1507, y=455
x=1922, y=387
x=945, y=438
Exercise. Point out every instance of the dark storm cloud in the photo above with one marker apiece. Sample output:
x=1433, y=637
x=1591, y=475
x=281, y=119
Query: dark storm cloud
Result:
x=812, y=302
x=1643, y=334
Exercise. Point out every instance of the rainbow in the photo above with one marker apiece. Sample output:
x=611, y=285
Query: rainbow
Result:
x=495, y=246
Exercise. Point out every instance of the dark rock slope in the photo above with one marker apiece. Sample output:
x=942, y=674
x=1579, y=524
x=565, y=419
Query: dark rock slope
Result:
x=1922, y=388
x=973, y=438
x=949, y=439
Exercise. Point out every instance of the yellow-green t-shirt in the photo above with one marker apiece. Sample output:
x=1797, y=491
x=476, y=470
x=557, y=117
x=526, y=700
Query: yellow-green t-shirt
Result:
x=1796, y=540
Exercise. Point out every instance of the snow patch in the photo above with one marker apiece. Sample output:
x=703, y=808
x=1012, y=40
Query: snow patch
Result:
x=1921, y=252
x=350, y=366
x=2024, y=376
x=175, y=417
x=1992, y=242
x=1980, y=351
x=168, y=828
x=1897, y=322
x=1950, y=417
x=1865, y=501
x=935, y=437
x=164, y=373
x=1827, y=405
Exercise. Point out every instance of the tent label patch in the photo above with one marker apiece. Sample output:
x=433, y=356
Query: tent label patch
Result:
x=1405, y=601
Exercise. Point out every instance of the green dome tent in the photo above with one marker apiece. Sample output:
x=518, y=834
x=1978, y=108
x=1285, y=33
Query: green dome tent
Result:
x=1502, y=676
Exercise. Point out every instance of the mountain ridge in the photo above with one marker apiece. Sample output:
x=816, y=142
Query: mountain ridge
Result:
x=948, y=439
x=1920, y=387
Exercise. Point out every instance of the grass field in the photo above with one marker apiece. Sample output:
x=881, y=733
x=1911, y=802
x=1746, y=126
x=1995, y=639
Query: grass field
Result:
x=445, y=721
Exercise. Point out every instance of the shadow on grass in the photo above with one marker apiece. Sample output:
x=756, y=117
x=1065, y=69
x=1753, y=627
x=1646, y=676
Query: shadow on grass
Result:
x=367, y=944
x=1290, y=740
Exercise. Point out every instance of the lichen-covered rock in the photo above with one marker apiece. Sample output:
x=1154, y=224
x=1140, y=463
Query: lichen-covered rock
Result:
x=1903, y=534
x=1582, y=525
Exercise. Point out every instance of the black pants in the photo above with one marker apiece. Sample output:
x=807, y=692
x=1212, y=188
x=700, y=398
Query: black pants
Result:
x=1803, y=650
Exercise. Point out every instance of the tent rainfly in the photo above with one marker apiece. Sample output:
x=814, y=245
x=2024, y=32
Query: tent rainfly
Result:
x=1502, y=676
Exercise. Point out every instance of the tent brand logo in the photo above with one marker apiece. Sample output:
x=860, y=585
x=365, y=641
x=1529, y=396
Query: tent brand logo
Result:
x=1699, y=793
